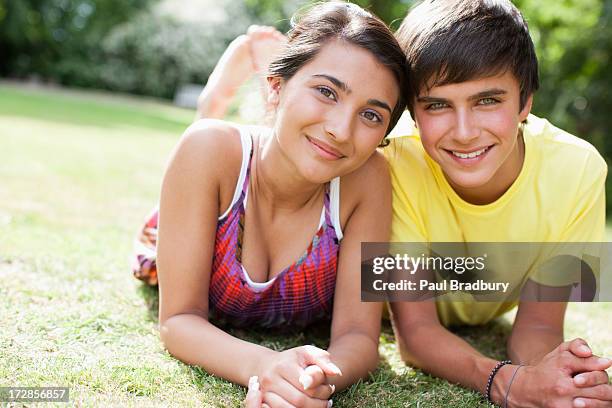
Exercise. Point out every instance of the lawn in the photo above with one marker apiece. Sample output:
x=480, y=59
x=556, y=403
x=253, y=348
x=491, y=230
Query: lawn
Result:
x=79, y=172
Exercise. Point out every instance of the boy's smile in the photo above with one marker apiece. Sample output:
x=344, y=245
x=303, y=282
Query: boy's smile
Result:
x=471, y=130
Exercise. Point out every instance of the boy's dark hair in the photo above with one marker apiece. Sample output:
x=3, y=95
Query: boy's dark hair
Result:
x=347, y=22
x=452, y=41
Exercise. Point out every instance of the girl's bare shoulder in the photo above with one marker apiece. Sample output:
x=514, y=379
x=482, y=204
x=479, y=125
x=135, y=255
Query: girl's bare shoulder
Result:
x=371, y=177
x=370, y=183
x=209, y=152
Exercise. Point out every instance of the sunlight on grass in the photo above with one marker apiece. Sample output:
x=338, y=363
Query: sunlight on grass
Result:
x=98, y=109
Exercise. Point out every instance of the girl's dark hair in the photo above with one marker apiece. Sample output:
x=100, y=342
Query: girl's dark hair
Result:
x=347, y=22
x=447, y=42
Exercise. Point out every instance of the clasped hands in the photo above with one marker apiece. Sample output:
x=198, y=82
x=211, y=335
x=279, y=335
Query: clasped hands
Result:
x=298, y=377
x=570, y=376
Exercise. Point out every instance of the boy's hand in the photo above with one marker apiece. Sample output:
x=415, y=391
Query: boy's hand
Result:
x=587, y=379
x=579, y=348
x=297, y=377
x=552, y=380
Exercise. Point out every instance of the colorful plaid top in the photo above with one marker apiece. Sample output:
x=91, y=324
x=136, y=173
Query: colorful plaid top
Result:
x=300, y=294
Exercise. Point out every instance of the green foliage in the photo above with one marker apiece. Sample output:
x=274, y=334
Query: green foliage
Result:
x=574, y=43
x=391, y=12
x=52, y=38
x=153, y=55
x=279, y=12
x=112, y=44
x=274, y=12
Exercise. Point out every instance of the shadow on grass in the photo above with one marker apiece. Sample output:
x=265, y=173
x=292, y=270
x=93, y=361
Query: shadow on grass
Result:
x=489, y=339
x=316, y=334
x=393, y=384
x=150, y=295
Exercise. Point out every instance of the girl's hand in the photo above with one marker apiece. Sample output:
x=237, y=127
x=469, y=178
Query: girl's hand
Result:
x=253, y=399
x=290, y=379
x=315, y=382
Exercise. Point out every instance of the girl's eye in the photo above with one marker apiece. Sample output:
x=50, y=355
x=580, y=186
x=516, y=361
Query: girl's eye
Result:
x=488, y=101
x=436, y=106
x=326, y=92
x=372, y=116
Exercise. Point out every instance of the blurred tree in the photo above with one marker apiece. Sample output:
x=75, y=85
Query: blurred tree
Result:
x=279, y=12
x=274, y=12
x=573, y=40
x=391, y=12
x=52, y=38
x=156, y=52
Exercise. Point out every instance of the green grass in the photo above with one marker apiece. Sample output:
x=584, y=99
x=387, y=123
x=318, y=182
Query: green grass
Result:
x=79, y=172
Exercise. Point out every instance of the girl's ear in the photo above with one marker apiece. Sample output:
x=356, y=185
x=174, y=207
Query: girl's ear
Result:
x=274, y=87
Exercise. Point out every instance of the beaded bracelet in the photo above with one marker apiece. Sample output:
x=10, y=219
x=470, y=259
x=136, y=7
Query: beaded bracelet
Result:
x=499, y=365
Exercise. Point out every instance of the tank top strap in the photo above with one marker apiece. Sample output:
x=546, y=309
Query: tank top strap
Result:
x=332, y=206
x=327, y=207
x=245, y=184
x=242, y=183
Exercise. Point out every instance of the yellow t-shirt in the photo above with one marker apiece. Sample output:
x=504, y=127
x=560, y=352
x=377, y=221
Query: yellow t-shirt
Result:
x=557, y=197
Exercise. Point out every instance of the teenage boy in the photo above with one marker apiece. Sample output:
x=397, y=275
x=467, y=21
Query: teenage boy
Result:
x=483, y=170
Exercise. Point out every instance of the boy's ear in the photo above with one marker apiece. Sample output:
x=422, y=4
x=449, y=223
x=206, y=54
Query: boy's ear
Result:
x=526, y=109
x=274, y=87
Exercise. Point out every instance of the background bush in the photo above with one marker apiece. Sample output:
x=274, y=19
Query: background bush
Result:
x=59, y=39
x=153, y=55
x=121, y=45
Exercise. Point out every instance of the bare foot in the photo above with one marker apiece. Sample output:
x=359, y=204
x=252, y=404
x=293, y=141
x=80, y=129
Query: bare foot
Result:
x=266, y=43
x=233, y=69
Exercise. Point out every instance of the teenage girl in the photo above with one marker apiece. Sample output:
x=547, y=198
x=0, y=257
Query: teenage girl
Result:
x=263, y=226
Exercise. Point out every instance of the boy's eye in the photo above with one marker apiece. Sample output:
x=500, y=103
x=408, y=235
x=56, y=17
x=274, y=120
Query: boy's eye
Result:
x=372, y=116
x=326, y=92
x=487, y=101
x=436, y=106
